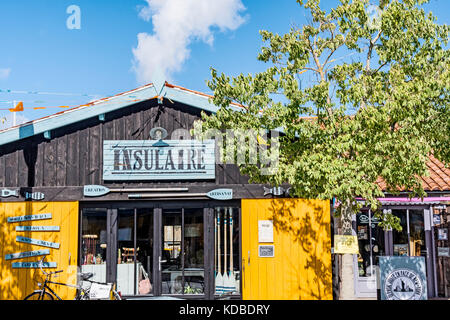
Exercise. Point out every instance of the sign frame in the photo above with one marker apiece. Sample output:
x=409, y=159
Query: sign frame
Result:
x=140, y=160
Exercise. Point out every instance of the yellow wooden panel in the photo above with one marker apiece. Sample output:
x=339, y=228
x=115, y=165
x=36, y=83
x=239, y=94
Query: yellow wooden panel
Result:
x=301, y=267
x=16, y=284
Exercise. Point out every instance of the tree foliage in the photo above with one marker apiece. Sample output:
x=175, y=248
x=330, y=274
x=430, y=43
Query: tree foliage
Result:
x=361, y=93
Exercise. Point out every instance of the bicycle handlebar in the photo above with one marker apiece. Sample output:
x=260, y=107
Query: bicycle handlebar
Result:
x=41, y=263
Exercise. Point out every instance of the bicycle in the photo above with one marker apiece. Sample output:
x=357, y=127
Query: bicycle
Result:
x=46, y=293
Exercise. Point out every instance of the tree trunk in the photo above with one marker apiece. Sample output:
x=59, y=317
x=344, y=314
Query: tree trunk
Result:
x=347, y=276
x=347, y=285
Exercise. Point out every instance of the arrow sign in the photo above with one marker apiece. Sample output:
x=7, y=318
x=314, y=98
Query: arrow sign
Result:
x=97, y=190
x=220, y=194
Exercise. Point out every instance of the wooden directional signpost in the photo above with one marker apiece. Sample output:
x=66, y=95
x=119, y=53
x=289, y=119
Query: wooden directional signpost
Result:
x=27, y=254
x=37, y=228
x=31, y=217
x=33, y=265
x=38, y=242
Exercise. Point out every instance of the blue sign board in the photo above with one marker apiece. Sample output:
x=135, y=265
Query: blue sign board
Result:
x=38, y=242
x=27, y=254
x=33, y=265
x=158, y=159
x=403, y=278
x=37, y=228
x=31, y=217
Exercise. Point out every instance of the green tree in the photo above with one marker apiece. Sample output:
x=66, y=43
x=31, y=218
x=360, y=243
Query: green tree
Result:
x=360, y=93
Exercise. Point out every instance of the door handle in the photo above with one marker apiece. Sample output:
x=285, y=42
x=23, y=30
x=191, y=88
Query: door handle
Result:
x=248, y=258
x=160, y=261
x=243, y=273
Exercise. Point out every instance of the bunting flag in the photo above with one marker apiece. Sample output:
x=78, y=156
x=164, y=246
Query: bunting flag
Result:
x=18, y=107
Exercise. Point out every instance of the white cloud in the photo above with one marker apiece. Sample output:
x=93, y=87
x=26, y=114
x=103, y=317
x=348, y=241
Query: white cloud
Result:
x=176, y=24
x=4, y=73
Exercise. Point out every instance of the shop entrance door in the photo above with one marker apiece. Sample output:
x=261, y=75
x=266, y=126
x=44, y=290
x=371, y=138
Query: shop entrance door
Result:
x=181, y=263
x=371, y=245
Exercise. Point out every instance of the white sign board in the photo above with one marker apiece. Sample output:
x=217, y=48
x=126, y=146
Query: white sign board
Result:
x=100, y=291
x=265, y=231
x=158, y=160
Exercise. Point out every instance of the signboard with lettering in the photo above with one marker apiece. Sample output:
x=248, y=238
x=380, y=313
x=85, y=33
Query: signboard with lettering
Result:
x=403, y=278
x=27, y=254
x=33, y=265
x=37, y=242
x=37, y=228
x=221, y=194
x=158, y=159
x=346, y=244
x=31, y=217
x=265, y=231
x=266, y=251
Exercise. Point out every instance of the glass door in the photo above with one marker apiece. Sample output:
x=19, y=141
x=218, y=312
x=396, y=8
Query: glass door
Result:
x=134, y=251
x=371, y=246
x=182, y=263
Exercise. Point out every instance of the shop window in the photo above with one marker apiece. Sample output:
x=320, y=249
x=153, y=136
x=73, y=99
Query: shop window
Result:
x=93, y=243
x=226, y=257
x=410, y=241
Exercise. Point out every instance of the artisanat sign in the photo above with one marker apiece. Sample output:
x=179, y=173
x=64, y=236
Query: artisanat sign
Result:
x=158, y=159
x=27, y=254
x=403, y=278
x=220, y=194
x=31, y=217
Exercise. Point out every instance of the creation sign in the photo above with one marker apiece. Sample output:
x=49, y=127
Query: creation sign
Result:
x=158, y=159
x=403, y=278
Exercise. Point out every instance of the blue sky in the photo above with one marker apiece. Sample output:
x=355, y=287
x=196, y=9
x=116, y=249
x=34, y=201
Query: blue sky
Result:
x=40, y=54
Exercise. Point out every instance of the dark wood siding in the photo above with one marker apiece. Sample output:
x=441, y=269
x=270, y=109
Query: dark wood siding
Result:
x=74, y=154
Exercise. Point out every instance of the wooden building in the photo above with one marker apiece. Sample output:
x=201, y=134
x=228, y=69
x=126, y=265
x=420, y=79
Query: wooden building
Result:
x=91, y=189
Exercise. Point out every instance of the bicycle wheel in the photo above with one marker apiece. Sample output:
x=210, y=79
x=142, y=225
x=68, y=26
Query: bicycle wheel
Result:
x=37, y=296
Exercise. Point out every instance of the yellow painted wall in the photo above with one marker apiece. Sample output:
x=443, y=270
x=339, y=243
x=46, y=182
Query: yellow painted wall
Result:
x=15, y=283
x=301, y=267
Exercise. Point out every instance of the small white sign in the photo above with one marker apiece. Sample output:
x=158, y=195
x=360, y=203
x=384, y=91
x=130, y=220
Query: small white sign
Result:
x=100, y=291
x=265, y=231
x=266, y=251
